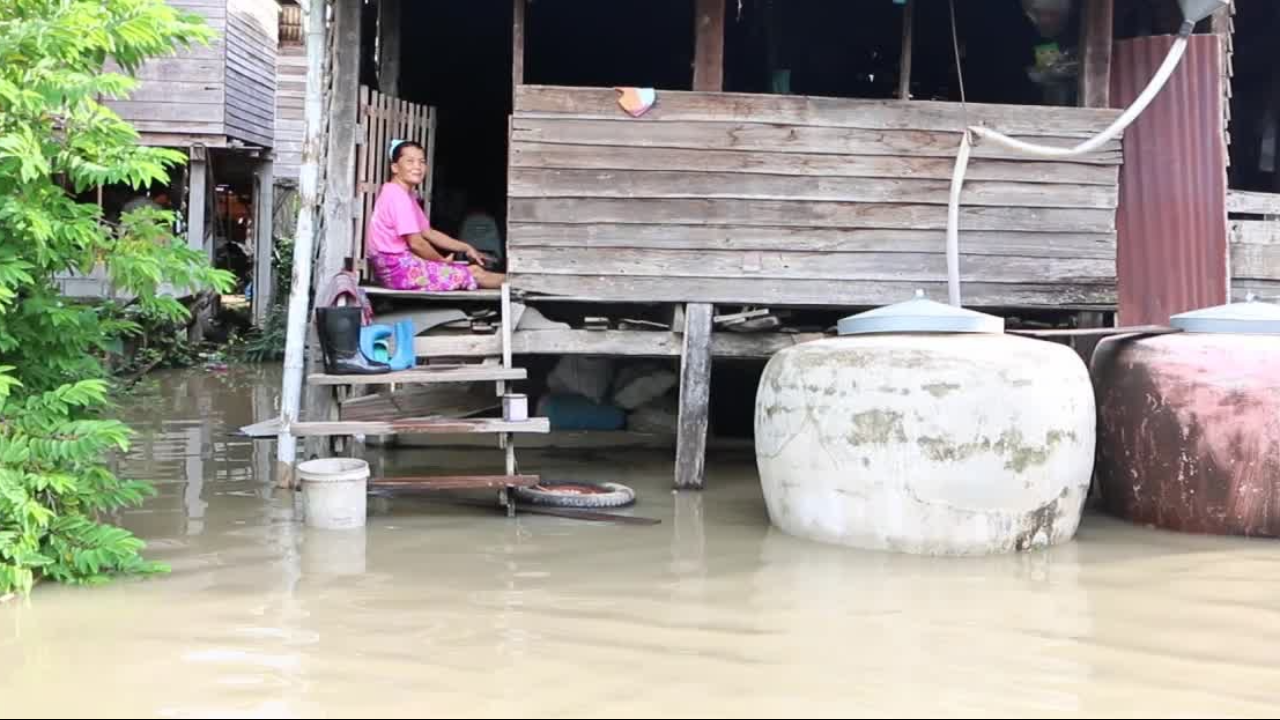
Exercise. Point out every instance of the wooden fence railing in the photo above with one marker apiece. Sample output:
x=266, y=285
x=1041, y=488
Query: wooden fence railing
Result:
x=383, y=119
x=1254, y=234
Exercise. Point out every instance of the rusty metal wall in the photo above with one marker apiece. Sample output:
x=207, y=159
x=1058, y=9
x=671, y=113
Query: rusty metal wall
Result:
x=1172, y=220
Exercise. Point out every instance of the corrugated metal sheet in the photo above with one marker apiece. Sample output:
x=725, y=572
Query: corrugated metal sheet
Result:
x=1172, y=219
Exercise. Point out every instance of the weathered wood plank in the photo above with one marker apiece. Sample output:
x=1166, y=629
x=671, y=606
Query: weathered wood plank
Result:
x=591, y=157
x=755, y=265
x=708, y=56
x=763, y=138
x=540, y=183
x=1254, y=232
x=175, y=129
x=455, y=401
x=1253, y=203
x=749, y=213
x=184, y=69
x=1255, y=262
x=432, y=426
x=629, y=343
x=695, y=398
x=676, y=106
x=707, y=237
x=170, y=112
x=163, y=138
x=807, y=293
x=1264, y=290
x=195, y=93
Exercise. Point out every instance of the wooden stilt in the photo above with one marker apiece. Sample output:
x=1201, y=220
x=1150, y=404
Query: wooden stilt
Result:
x=695, y=398
x=264, y=221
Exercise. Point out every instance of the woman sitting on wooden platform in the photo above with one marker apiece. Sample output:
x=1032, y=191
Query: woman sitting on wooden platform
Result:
x=405, y=252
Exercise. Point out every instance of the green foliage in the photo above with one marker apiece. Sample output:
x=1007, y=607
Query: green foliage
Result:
x=56, y=139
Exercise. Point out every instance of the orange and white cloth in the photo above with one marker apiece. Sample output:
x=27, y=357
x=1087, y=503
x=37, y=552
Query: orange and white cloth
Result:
x=636, y=101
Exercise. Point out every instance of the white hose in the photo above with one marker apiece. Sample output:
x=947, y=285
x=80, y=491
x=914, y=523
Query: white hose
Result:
x=1153, y=88
x=953, y=222
x=1126, y=119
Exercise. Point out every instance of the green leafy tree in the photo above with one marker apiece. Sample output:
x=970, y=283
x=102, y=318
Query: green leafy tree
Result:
x=58, y=62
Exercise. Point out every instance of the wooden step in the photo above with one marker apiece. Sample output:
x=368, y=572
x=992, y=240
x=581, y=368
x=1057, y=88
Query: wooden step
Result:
x=461, y=482
x=425, y=374
x=423, y=426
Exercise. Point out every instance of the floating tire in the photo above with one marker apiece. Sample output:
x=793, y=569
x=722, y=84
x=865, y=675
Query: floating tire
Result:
x=577, y=495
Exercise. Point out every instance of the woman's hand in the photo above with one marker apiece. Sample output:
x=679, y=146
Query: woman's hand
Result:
x=477, y=257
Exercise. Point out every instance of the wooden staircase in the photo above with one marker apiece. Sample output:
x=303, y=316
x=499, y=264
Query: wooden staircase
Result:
x=340, y=432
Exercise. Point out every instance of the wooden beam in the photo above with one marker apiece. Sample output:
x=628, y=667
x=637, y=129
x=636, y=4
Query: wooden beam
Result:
x=908, y=46
x=390, y=38
x=264, y=222
x=1096, y=37
x=708, y=62
x=695, y=398
x=622, y=343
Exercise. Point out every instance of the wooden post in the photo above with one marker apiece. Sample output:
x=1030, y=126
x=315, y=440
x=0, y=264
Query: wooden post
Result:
x=708, y=58
x=308, y=190
x=196, y=200
x=263, y=222
x=1096, y=36
x=517, y=47
x=390, y=37
x=695, y=398
x=908, y=46
x=340, y=178
x=1222, y=23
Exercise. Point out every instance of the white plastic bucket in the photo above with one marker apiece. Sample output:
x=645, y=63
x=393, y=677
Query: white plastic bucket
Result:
x=334, y=493
x=515, y=407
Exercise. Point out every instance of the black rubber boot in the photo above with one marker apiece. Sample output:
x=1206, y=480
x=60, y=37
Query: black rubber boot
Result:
x=339, y=331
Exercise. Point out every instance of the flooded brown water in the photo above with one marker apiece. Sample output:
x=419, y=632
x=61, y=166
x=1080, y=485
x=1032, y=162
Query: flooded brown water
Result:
x=441, y=611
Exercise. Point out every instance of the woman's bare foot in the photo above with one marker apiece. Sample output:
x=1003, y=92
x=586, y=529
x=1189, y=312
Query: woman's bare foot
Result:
x=488, y=280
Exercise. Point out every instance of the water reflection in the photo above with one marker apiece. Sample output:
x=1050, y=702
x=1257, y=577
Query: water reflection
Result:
x=436, y=609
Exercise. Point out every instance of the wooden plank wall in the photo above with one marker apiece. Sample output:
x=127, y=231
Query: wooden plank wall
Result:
x=182, y=97
x=291, y=91
x=253, y=28
x=728, y=198
x=1254, y=234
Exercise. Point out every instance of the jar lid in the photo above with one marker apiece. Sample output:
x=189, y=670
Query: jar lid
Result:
x=920, y=315
x=1250, y=317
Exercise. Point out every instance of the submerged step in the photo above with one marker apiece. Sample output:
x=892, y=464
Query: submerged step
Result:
x=456, y=482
